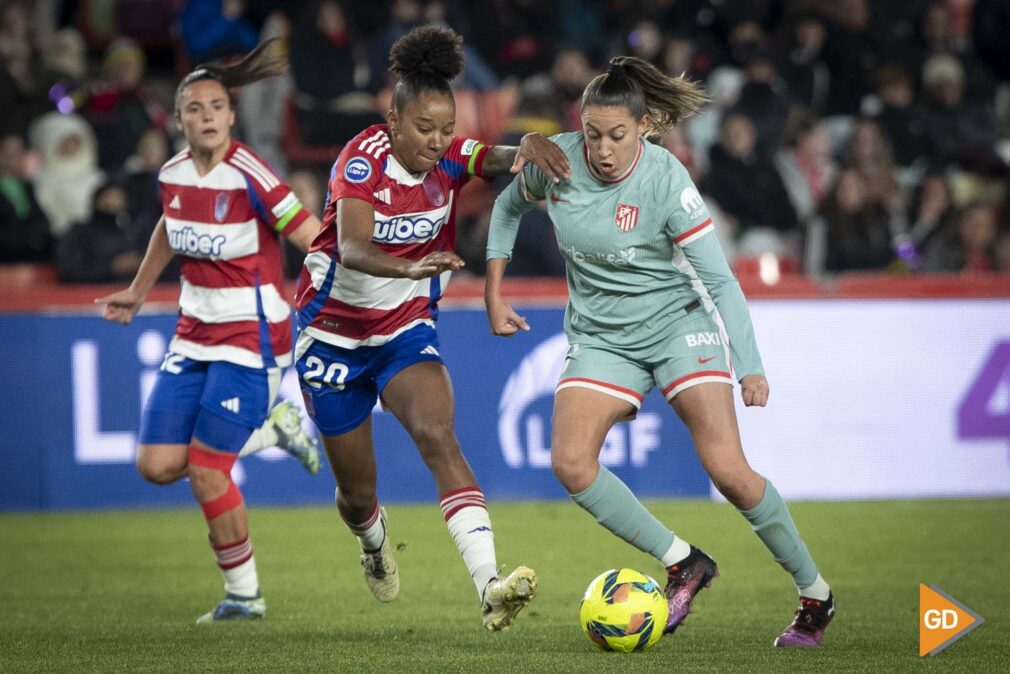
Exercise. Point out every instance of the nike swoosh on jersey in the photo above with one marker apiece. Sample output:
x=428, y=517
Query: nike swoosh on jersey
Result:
x=702, y=361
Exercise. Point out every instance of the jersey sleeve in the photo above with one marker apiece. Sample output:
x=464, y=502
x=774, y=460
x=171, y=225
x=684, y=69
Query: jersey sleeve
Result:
x=505, y=216
x=529, y=187
x=690, y=219
x=690, y=226
x=272, y=198
x=533, y=184
x=355, y=175
x=464, y=159
x=709, y=262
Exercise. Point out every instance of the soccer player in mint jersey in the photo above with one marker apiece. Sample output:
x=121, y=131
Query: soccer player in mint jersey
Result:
x=367, y=304
x=224, y=211
x=644, y=269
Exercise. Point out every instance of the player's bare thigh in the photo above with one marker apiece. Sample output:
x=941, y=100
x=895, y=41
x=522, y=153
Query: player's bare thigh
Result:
x=582, y=418
x=420, y=397
x=707, y=411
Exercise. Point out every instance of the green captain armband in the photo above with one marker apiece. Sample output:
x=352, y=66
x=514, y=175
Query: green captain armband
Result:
x=471, y=166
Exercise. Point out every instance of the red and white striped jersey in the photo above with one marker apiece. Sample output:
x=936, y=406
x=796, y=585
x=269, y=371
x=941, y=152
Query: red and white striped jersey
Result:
x=414, y=216
x=225, y=225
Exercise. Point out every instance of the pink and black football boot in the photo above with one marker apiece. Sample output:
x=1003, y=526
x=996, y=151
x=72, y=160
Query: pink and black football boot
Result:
x=684, y=580
x=807, y=628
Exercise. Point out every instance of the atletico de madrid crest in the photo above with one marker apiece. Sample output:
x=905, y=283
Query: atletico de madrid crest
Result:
x=627, y=217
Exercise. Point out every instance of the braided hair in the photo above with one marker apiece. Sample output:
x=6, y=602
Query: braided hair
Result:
x=425, y=59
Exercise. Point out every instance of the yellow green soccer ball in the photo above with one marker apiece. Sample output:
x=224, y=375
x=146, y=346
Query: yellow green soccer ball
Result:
x=624, y=611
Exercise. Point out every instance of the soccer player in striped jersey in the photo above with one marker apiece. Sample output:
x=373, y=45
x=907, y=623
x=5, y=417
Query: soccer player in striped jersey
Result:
x=367, y=303
x=644, y=269
x=224, y=211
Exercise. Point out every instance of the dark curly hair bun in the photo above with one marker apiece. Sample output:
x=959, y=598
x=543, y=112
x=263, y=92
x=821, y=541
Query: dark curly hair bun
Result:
x=427, y=53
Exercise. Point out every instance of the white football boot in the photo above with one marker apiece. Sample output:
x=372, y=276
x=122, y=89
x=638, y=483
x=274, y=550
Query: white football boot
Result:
x=505, y=597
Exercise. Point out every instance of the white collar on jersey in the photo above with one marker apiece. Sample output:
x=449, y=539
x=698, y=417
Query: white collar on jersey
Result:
x=397, y=172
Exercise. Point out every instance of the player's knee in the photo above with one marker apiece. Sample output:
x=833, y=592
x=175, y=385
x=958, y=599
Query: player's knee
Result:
x=742, y=488
x=356, y=501
x=573, y=472
x=158, y=470
x=207, y=480
x=436, y=442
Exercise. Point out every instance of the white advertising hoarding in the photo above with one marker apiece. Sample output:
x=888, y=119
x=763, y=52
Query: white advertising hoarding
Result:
x=882, y=398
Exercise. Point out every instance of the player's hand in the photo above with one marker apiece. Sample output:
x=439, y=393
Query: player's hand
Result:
x=504, y=321
x=434, y=264
x=754, y=390
x=121, y=307
x=546, y=155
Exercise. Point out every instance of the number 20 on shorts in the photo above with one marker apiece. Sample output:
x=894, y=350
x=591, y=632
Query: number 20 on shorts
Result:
x=319, y=374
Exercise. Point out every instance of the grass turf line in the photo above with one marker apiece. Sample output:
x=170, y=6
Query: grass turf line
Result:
x=119, y=591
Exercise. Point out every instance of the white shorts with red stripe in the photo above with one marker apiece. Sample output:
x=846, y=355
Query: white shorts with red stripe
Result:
x=695, y=352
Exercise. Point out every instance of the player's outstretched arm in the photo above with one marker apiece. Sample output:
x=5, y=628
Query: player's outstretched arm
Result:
x=305, y=234
x=534, y=148
x=355, y=223
x=122, y=306
x=504, y=321
x=709, y=262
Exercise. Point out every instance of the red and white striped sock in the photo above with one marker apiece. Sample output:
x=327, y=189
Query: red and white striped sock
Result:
x=238, y=567
x=470, y=526
x=371, y=532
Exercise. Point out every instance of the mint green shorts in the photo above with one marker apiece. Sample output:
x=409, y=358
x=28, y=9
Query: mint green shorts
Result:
x=693, y=352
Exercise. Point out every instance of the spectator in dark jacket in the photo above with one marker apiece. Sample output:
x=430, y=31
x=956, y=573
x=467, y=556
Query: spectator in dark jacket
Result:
x=120, y=107
x=958, y=127
x=968, y=244
x=99, y=251
x=24, y=230
x=764, y=98
x=747, y=187
x=894, y=109
x=803, y=68
x=857, y=232
x=140, y=180
x=325, y=65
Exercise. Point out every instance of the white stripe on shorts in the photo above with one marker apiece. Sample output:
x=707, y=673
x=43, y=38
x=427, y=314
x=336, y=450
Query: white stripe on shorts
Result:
x=601, y=387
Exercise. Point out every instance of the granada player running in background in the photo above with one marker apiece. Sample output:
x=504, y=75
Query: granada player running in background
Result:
x=644, y=266
x=224, y=210
x=367, y=303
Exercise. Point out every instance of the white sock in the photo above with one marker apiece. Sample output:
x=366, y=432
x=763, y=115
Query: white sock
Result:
x=238, y=568
x=679, y=550
x=263, y=437
x=819, y=590
x=470, y=527
x=371, y=532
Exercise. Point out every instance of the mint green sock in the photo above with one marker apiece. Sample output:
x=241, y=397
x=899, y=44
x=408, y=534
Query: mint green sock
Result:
x=615, y=507
x=773, y=524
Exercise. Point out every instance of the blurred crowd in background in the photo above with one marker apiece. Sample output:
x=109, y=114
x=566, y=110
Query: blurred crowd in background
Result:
x=843, y=135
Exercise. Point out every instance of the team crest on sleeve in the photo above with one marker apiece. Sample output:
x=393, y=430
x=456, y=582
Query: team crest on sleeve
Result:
x=221, y=206
x=468, y=147
x=357, y=170
x=627, y=217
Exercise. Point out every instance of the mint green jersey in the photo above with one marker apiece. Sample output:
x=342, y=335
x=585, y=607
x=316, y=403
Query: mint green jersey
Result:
x=638, y=250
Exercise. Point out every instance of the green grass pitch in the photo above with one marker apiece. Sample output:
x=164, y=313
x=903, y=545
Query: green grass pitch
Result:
x=119, y=591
